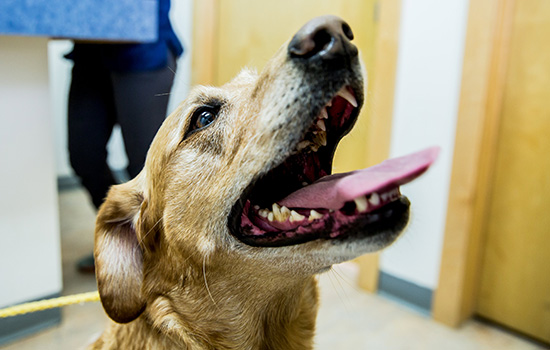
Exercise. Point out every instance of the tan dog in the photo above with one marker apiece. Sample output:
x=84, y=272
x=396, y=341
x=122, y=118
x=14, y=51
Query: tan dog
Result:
x=216, y=243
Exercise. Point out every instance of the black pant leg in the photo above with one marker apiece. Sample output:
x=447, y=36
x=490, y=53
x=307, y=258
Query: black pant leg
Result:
x=141, y=99
x=91, y=115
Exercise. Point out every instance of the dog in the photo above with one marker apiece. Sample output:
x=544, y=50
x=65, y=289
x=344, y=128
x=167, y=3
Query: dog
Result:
x=216, y=243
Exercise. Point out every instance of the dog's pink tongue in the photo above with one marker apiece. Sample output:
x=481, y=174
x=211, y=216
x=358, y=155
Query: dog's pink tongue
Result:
x=332, y=192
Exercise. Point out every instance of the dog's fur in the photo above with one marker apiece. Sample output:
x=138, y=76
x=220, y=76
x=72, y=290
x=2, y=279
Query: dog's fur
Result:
x=170, y=272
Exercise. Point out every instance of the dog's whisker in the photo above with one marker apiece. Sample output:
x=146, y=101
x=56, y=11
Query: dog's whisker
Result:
x=345, y=298
x=346, y=280
x=336, y=290
x=206, y=282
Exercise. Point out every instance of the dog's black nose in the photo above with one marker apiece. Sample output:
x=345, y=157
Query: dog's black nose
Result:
x=327, y=37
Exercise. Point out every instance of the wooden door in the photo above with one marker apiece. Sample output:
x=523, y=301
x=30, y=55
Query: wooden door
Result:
x=515, y=275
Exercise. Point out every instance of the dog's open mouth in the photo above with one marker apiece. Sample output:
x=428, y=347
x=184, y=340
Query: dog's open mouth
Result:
x=299, y=201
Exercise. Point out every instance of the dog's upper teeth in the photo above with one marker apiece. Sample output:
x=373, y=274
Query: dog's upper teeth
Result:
x=361, y=204
x=321, y=124
x=313, y=215
x=374, y=199
x=320, y=138
x=324, y=114
x=345, y=94
x=303, y=144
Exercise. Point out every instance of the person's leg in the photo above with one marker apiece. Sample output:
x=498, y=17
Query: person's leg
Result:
x=91, y=120
x=141, y=100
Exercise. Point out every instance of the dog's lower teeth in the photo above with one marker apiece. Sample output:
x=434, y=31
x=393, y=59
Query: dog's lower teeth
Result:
x=374, y=199
x=313, y=215
x=294, y=216
x=361, y=204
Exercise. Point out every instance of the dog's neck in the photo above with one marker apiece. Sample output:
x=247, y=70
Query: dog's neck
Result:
x=281, y=316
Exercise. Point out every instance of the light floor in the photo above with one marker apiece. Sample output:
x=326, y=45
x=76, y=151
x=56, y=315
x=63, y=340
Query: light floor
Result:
x=348, y=318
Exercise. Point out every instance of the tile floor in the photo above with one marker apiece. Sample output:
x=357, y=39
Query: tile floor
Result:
x=348, y=318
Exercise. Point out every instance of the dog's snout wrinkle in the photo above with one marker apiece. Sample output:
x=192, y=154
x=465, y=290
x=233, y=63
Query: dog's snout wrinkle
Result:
x=327, y=37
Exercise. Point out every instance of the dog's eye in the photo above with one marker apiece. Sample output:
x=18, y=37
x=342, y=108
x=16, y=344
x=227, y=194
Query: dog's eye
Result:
x=202, y=117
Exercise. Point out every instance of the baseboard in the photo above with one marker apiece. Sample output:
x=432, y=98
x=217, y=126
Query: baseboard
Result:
x=70, y=182
x=405, y=291
x=17, y=327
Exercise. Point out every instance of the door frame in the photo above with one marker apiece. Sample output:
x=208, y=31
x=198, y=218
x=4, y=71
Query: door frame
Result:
x=483, y=81
x=379, y=133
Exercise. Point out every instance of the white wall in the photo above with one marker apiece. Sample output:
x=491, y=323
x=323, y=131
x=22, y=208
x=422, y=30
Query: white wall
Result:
x=60, y=71
x=427, y=92
x=30, y=259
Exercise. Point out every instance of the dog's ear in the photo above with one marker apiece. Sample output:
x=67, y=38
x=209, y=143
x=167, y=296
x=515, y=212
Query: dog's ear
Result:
x=118, y=255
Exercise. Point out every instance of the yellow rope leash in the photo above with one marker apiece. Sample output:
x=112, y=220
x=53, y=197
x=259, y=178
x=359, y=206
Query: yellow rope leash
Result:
x=49, y=304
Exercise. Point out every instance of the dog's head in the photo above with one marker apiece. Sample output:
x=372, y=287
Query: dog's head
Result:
x=233, y=178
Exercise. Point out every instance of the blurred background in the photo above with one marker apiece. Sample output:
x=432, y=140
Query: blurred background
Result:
x=473, y=77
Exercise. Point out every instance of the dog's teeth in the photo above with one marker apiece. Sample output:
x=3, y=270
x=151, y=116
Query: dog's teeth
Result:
x=329, y=104
x=321, y=139
x=324, y=114
x=294, y=216
x=361, y=204
x=345, y=94
x=313, y=215
x=285, y=213
x=303, y=144
x=276, y=209
x=270, y=216
x=384, y=196
x=374, y=199
x=321, y=125
x=257, y=207
x=263, y=213
x=393, y=194
x=304, y=184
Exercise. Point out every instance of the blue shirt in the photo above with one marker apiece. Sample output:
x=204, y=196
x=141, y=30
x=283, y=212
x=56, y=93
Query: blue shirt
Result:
x=134, y=57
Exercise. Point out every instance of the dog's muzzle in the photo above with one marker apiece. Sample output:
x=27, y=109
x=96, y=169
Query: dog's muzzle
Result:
x=297, y=200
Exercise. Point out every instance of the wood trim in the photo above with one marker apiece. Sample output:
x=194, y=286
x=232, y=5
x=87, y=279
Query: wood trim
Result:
x=382, y=94
x=484, y=70
x=205, y=27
